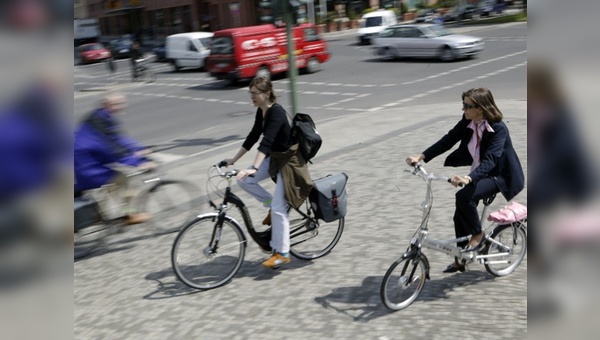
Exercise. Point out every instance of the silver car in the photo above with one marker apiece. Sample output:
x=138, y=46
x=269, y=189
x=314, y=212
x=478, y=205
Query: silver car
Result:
x=425, y=41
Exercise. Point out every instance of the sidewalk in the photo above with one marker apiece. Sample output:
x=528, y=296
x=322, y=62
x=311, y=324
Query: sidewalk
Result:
x=131, y=292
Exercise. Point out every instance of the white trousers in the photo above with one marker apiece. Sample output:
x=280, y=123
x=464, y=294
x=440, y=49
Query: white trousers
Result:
x=280, y=225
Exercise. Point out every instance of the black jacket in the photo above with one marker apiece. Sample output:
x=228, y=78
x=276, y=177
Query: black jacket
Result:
x=499, y=159
x=275, y=129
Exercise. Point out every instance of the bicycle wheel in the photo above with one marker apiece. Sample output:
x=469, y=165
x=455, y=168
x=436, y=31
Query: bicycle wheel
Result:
x=171, y=203
x=311, y=238
x=206, y=256
x=514, y=246
x=403, y=282
x=150, y=76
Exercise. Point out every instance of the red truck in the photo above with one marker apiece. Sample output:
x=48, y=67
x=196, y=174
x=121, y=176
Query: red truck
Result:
x=246, y=52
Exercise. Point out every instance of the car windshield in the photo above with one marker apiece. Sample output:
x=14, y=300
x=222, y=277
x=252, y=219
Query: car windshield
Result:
x=93, y=47
x=205, y=42
x=435, y=31
x=373, y=21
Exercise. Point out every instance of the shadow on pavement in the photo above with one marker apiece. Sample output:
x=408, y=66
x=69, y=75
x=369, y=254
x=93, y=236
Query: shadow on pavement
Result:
x=363, y=304
x=170, y=289
x=179, y=143
x=168, y=286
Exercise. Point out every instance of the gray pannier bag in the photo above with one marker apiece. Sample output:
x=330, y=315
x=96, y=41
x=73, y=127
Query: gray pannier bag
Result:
x=328, y=197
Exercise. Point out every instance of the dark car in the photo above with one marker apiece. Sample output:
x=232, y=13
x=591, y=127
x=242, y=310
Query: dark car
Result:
x=121, y=48
x=160, y=52
x=425, y=15
x=462, y=13
x=490, y=7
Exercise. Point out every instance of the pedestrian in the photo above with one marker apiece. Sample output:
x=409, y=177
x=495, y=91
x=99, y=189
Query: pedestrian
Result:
x=486, y=146
x=277, y=157
x=136, y=55
x=100, y=143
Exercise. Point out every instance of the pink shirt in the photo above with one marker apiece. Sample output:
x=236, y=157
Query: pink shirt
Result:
x=475, y=141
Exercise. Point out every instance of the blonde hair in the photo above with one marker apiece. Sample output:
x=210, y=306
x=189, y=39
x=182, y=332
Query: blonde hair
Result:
x=484, y=99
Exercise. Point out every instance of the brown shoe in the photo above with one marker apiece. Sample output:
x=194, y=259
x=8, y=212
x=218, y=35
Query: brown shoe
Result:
x=137, y=218
x=267, y=220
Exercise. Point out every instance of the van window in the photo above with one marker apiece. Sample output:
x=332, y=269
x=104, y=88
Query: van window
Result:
x=373, y=21
x=206, y=42
x=310, y=34
x=222, y=45
x=191, y=47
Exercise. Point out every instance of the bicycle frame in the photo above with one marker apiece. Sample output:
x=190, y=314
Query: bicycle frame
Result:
x=421, y=239
x=261, y=238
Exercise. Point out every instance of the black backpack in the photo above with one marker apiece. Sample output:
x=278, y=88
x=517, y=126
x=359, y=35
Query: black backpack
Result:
x=305, y=133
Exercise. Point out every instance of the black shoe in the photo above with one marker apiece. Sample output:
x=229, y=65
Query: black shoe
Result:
x=454, y=267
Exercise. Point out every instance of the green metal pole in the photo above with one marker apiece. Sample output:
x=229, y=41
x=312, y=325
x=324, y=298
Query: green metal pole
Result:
x=292, y=70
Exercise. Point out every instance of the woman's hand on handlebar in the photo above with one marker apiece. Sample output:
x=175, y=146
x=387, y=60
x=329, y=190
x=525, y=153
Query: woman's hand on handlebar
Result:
x=245, y=173
x=412, y=160
x=459, y=181
x=227, y=162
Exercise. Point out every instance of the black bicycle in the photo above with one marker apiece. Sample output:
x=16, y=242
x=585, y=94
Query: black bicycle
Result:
x=145, y=73
x=209, y=250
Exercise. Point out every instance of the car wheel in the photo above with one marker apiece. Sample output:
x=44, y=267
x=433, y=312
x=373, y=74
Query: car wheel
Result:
x=446, y=54
x=313, y=65
x=263, y=71
x=176, y=67
x=386, y=53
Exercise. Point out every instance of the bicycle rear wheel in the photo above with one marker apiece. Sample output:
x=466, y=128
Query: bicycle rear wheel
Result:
x=311, y=238
x=205, y=255
x=513, y=248
x=403, y=282
x=171, y=203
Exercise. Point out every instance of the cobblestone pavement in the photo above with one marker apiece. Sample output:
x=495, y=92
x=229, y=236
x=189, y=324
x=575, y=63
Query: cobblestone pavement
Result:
x=129, y=291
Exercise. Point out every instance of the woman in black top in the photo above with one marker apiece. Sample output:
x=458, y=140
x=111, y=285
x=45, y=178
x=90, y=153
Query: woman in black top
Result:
x=486, y=146
x=276, y=155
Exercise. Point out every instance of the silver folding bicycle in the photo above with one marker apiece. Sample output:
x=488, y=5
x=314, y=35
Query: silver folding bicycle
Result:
x=501, y=251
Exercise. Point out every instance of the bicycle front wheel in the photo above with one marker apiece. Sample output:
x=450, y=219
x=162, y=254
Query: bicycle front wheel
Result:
x=150, y=76
x=311, y=238
x=506, y=256
x=170, y=203
x=207, y=255
x=403, y=282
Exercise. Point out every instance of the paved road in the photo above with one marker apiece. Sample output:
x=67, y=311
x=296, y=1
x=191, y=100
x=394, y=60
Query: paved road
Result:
x=188, y=112
x=130, y=292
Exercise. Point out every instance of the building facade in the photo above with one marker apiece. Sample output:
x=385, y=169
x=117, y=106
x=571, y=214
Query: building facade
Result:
x=159, y=18
x=156, y=19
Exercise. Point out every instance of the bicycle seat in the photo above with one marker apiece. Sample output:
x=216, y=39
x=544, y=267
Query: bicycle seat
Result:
x=488, y=200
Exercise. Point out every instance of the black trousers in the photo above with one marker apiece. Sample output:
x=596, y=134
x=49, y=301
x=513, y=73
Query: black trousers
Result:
x=466, y=216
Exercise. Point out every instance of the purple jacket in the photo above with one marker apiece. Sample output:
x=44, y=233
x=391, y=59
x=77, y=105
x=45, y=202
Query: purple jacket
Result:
x=99, y=141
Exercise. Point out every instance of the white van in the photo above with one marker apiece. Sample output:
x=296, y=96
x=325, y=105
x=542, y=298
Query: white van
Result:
x=374, y=22
x=188, y=49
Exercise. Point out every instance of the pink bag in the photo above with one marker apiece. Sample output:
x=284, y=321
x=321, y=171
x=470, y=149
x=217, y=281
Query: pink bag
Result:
x=513, y=212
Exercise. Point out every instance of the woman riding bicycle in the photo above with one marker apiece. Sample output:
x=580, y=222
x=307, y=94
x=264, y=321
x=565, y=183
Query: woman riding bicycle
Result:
x=277, y=158
x=486, y=146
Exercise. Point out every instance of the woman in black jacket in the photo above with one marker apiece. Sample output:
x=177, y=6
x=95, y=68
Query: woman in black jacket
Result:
x=485, y=145
x=277, y=158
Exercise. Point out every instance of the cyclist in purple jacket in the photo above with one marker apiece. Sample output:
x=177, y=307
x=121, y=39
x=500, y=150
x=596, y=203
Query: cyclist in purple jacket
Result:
x=100, y=141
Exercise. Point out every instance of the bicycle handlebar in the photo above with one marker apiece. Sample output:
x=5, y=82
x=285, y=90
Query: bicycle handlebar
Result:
x=230, y=173
x=421, y=172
